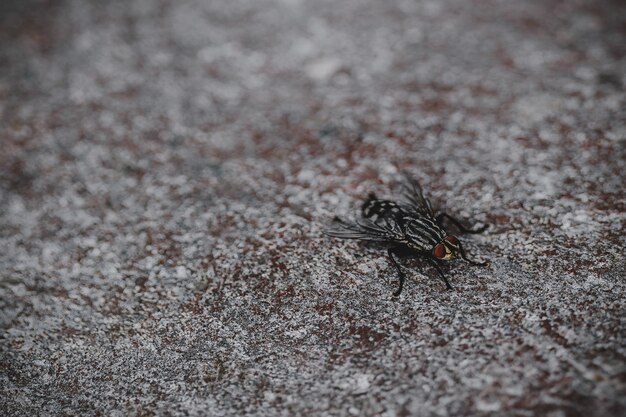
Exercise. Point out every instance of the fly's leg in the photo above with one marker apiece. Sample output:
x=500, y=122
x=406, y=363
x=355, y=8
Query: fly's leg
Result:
x=443, y=277
x=464, y=257
x=458, y=224
x=391, y=252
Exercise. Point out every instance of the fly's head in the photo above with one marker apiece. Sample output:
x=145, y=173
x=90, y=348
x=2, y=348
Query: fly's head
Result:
x=447, y=249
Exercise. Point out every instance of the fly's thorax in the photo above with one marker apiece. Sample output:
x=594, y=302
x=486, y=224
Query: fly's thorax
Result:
x=423, y=229
x=422, y=233
x=417, y=246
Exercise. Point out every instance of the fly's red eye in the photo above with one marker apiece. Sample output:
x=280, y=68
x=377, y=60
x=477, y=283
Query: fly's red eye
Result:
x=439, y=251
x=453, y=240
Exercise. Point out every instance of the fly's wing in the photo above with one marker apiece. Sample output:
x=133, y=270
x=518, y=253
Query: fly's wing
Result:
x=414, y=196
x=366, y=230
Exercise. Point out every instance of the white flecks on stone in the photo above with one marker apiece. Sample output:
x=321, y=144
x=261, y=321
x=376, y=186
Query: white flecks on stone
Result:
x=322, y=69
x=181, y=272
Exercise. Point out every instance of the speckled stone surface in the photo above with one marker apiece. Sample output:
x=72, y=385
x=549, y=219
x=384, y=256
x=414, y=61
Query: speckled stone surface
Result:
x=167, y=167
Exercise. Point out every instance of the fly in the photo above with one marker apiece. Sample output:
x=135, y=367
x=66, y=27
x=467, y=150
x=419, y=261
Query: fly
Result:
x=408, y=227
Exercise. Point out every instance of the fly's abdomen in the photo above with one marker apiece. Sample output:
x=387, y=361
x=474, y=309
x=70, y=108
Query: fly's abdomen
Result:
x=375, y=209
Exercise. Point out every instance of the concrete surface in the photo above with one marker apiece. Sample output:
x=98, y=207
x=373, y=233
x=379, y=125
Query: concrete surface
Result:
x=166, y=169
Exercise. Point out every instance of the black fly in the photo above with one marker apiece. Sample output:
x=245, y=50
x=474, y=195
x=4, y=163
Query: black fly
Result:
x=410, y=226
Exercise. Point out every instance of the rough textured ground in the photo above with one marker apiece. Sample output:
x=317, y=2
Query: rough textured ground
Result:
x=166, y=169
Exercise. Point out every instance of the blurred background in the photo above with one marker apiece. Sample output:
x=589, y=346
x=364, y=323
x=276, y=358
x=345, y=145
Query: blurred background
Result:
x=166, y=168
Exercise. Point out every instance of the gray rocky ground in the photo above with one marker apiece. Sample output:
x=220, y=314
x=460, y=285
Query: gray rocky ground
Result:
x=166, y=170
